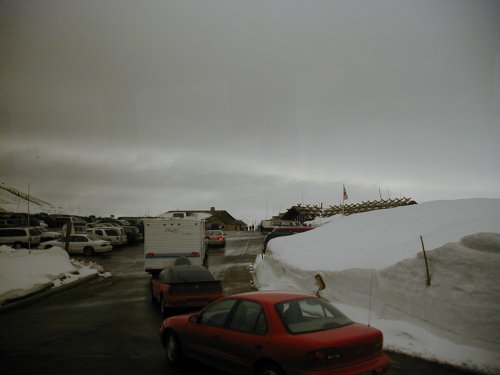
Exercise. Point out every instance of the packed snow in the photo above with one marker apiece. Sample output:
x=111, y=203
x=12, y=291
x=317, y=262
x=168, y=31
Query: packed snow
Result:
x=23, y=272
x=373, y=267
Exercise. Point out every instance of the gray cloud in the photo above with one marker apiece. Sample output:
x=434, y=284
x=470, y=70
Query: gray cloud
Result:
x=229, y=102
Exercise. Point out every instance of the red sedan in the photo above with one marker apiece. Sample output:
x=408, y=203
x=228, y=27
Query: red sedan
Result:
x=275, y=333
x=192, y=287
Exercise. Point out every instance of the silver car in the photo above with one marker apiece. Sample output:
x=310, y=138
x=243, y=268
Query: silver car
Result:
x=86, y=244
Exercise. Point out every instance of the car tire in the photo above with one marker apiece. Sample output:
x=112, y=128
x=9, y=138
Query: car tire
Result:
x=173, y=349
x=270, y=368
x=88, y=251
x=18, y=245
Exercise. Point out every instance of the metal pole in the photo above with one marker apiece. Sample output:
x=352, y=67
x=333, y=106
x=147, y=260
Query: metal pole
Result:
x=29, y=237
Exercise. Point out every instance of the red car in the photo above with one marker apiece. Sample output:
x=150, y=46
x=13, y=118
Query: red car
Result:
x=275, y=333
x=192, y=287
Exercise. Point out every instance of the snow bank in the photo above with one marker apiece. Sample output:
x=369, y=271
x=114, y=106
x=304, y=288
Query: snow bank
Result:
x=378, y=239
x=455, y=320
x=23, y=272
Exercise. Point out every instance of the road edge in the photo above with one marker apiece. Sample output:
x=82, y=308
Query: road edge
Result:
x=44, y=292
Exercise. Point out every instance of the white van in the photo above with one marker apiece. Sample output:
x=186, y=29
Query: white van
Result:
x=20, y=237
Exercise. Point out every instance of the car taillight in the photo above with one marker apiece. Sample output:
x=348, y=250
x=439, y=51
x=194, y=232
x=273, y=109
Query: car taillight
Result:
x=150, y=255
x=323, y=358
x=221, y=238
x=195, y=254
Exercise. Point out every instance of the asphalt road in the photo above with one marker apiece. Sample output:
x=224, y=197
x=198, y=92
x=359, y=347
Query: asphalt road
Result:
x=109, y=326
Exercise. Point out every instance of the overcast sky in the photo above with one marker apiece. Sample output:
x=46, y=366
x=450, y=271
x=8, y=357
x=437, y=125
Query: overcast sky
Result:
x=127, y=107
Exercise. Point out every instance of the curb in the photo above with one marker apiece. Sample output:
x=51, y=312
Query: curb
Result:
x=44, y=292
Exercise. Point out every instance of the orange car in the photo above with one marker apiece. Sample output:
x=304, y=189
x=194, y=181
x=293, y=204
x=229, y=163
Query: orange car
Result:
x=185, y=287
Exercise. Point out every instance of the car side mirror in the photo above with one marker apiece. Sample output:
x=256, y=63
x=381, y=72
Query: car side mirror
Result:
x=195, y=319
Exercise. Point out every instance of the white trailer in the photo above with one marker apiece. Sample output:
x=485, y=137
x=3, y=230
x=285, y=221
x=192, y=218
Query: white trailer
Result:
x=167, y=240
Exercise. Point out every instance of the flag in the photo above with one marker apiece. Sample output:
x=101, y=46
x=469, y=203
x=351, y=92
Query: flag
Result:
x=345, y=196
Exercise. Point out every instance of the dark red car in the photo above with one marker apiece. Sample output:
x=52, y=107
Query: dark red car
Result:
x=181, y=287
x=275, y=333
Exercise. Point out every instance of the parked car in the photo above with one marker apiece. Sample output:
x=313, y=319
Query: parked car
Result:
x=185, y=287
x=86, y=244
x=275, y=333
x=215, y=238
x=284, y=231
x=46, y=235
x=20, y=237
x=133, y=231
x=112, y=234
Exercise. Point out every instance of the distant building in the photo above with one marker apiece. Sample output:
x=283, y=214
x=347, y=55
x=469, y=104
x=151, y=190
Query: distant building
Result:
x=214, y=219
x=308, y=212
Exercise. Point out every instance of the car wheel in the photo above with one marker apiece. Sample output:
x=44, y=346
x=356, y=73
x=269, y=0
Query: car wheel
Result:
x=270, y=369
x=88, y=251
x=173, y=349
x=18, y=245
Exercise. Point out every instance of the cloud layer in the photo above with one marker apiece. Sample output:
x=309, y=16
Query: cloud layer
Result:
x=124, y=106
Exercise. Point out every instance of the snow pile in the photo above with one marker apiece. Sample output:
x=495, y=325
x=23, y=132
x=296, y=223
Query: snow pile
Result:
x=455, y=320
x=23, y=272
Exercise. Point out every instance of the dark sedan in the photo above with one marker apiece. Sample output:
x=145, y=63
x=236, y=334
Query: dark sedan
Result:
x=185, y=287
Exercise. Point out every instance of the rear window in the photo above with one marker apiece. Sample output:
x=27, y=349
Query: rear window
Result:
x=310, y=315
x=189, y=274
x=111, y=232
x=35, y=232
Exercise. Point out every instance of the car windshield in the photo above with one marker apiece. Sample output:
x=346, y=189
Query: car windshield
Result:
x=215, y=233
x=310, y=315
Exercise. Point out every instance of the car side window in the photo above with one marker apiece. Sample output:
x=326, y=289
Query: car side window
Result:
x=249, y=317
x=99, y=232
x=216, y=315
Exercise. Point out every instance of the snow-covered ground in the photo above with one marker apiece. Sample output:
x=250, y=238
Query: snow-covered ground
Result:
x=23, y=272
x=373, y=262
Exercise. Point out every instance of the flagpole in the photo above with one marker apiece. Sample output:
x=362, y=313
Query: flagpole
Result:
x=343, y=199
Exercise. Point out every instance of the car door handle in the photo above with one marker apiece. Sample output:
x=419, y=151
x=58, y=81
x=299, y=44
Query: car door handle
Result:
x=258, y=346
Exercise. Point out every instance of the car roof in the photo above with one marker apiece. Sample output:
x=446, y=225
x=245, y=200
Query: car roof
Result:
x=272, y=296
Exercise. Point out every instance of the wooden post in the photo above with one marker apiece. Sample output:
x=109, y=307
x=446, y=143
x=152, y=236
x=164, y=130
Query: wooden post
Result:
x=426, y=264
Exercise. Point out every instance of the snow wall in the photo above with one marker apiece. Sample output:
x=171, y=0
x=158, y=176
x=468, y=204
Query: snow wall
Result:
x=462, y=303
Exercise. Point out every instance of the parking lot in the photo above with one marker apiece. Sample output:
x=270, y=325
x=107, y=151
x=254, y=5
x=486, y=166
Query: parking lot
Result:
x=110, y=326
